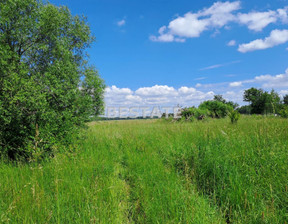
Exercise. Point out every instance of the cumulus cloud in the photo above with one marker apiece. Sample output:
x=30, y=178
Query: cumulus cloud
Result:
x=219, y=15
x=186, y=90
x=193, y=24
x=265, y=81
x=163, y=95
x=276, y=37
x=270, y=81
x=119, y=91
x=258, y=20
x=156, y=91
x=283, y=14
x=231, y=43
x=160, y=95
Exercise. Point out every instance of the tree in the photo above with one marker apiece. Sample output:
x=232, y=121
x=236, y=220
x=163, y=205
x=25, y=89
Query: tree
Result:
x=244, y=109
x=47, y=87
x=285, y=99
x=216, y=109
x=262, y=101
x=220, y=98
x=253, y=96
x=274, y=102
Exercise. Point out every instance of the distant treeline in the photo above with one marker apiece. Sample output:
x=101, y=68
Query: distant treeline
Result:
x=121, y=118
x=260, y=102
x=263, y=102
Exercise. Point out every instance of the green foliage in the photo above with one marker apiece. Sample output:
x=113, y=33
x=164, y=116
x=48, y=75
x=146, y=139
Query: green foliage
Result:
x=234, y=116
x=192, y=113
x=262, y=102
x=285, y=99
x=284, y=112
x=221, y=99
x=244, y=109
x=217, y=109
x=46, y=84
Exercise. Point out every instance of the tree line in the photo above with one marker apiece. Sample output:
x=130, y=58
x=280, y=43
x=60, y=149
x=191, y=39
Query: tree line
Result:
x=260, y=102
x=264, y=102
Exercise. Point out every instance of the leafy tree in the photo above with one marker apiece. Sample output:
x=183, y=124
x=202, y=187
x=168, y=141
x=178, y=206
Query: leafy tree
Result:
x=273, y=102
x=47, y=87
x=262, y=101
x=244, y=109
x=216, y=109
x=192, y=113
x=221, y=99
x=254, y=96
x=284, y=112
x=285, y=99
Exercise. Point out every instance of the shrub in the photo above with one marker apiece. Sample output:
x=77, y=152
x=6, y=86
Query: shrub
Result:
x=284, y=112
x=216, y=109
x=192, y=113
x=234, y=116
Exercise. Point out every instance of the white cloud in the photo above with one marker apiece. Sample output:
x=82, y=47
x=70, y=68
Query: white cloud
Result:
x=163, y=95
x=160, y=95
x=283, y=14
x=283, y=92
x=219, y=15
x=276, y=37
x=120, y=91
x=277, y=81
x=231, y=43
x=156, y=90
x=121, y=22
x=166, y=37
x=193, y=24
x=265, y=81
x=257, y=20
x=186, y=90
x=235, y=84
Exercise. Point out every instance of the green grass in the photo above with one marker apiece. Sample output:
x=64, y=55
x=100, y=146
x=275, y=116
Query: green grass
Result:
x=157, y=172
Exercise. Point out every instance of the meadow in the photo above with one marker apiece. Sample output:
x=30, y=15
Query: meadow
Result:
x=155, y=171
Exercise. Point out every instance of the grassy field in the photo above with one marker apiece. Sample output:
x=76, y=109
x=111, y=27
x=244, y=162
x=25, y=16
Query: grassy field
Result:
x=154, y=171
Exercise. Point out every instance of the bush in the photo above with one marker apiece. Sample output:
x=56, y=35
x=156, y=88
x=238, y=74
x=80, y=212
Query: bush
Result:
x=234, y=116
x=216, y=109
x=284, y=112
x=192, y=113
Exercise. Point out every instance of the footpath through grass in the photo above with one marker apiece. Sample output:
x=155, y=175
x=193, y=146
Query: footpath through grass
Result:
x=157, y=172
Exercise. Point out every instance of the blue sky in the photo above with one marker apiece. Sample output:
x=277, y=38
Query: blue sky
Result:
x=169, y=52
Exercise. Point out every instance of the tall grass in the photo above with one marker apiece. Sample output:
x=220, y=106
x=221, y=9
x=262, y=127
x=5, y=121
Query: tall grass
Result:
x=157, y=172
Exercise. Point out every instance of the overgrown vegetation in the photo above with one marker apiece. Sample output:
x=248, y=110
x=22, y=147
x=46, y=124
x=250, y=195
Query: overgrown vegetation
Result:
x=47, y=87
x=261, y=102
x=157, y=172
x=234, y=116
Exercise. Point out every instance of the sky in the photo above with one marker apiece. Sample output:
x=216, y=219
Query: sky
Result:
x=182, y=52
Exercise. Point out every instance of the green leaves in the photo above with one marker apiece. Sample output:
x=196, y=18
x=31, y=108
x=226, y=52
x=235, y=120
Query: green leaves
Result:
x=217, y=109
x=45, y=80
x=261, y=101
